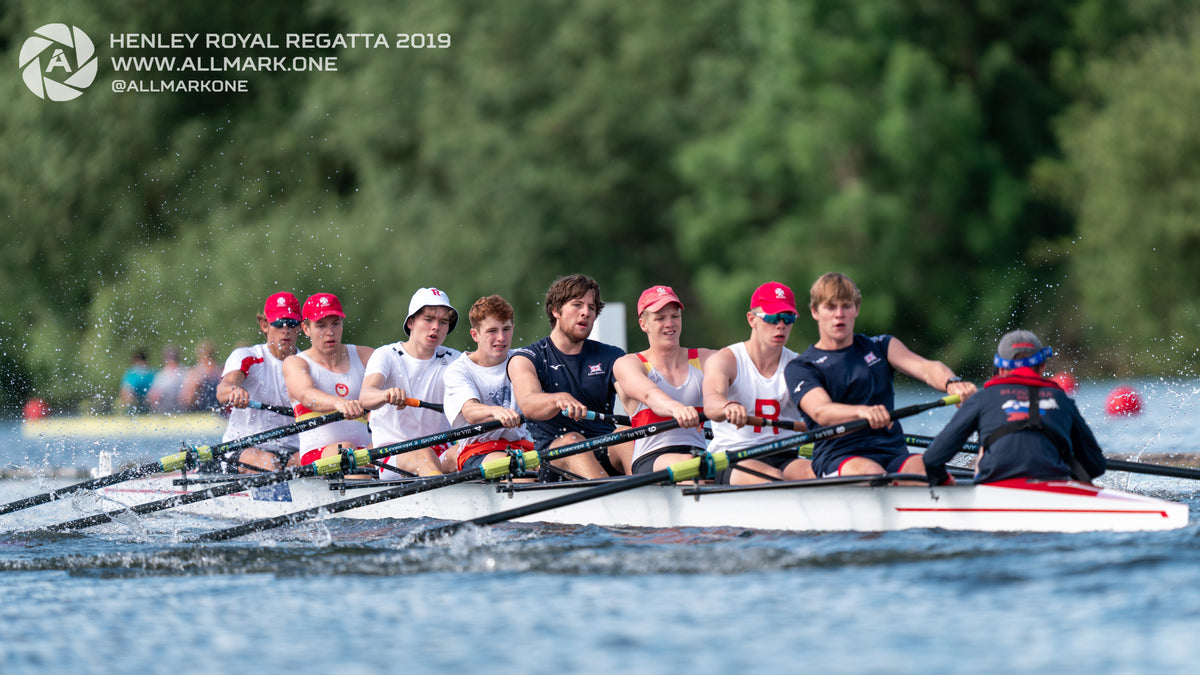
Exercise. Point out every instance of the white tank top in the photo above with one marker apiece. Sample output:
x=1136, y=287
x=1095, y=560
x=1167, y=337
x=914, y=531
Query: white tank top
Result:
x=765, y=397
x=347, y=385
x=689, y=393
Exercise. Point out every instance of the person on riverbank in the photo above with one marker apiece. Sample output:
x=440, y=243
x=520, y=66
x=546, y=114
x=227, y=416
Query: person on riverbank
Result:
x=746, y=380
x=1028, y=426
x=413, y=368
x=135, y=384
x=327, y=377
x=561, y=377
x=478, y=390
x=663, y=382
x=256, y=374
x=198, y=393
x=163, y=396
x=847, y=376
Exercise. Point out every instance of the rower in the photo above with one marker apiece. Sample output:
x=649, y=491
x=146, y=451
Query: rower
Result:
x=478, y=390
x=663, y=382
x=745, y=380
x=412, y=369
x=561, y=377
x=1028, y=425
x=327, y=377
x=256, y=374
x=847, y=376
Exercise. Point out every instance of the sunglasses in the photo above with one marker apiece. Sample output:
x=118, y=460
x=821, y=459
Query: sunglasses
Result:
x=285, y=323
x=786, y=317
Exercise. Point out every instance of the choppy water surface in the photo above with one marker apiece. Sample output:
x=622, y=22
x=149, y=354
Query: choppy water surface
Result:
x=362, y=597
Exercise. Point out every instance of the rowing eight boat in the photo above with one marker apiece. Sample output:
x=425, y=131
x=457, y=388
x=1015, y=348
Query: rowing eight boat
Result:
x=831, y=504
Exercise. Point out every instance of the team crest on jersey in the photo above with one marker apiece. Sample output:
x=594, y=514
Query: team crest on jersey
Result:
x=342, y=390
x=1015, y=410
x=871, y=358
x=597, y=369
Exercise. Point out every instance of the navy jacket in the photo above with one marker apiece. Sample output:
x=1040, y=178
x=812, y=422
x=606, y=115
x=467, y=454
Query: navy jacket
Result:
x=1022, y=454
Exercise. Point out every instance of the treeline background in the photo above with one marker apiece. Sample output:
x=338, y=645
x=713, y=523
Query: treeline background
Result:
x=975, y=167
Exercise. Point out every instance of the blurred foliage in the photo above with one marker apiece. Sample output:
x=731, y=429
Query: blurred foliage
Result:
x=974, y=167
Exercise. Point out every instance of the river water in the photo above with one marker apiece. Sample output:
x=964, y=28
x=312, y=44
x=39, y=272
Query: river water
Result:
x=360, y=597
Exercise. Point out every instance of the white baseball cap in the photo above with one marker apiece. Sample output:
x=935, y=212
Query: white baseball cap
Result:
x=429, y=297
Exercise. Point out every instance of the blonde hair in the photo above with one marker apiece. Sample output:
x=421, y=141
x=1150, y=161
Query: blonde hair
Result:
x=831, y=287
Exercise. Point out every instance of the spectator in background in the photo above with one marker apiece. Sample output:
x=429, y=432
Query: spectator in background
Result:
x=164, y=391
x=135, y=384
x=199, y=389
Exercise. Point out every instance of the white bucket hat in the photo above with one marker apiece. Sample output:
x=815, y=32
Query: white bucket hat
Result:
x=429, y=297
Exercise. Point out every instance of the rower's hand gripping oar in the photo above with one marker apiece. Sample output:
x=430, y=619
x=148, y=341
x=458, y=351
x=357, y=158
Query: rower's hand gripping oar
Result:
x=186, y=458
x=345, y=461
x=517, y=462
x=1112, y=464
x=703, y=467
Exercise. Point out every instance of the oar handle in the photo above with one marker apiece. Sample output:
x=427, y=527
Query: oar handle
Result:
x=277, y=409
x=621, y=420
x=794, y=425
x=417, y=403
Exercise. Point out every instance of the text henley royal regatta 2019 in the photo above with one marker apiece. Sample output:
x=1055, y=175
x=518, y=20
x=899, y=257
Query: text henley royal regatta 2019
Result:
x=246, y=40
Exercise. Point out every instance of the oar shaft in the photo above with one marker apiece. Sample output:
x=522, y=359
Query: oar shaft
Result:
x=277, y=409
x=172, y=462
x=1113, y=464
x=434, y=482
x=417, y=403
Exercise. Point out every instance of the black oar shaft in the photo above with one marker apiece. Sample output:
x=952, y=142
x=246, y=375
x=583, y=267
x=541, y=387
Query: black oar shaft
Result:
x=1113, y=464
x=432, y=483
x=685, y=470
x=171, y=462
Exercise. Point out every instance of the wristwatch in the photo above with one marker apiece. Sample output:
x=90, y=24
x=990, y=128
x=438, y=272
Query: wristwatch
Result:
x=951, y=381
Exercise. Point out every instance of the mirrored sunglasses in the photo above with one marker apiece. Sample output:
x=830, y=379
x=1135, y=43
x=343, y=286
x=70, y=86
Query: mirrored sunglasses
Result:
x=285, y=323
x=786, y=317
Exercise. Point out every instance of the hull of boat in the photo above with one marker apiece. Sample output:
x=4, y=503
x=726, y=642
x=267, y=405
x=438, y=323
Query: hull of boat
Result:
x=1014, y=506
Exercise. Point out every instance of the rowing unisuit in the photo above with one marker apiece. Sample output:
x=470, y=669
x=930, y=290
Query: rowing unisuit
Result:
x=346, y=385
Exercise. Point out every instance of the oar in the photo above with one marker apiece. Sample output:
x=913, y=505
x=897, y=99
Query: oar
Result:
x=184, y=459
x=1114, y=464
x=493, y=469
x=417, y=403
x=704, y=466
x=344, y=462
x=277, y=409
x=620, y=420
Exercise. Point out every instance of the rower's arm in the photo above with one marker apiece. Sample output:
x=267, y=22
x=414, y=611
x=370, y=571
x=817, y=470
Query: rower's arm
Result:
x=475, y=412
x=226, y=388
x=933, y=373
x=719, y=372
x=633, y=384
x=818, y=405
x=536, y=403
x=303, y=389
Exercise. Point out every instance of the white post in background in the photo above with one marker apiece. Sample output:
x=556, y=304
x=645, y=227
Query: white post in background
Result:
x=610, y=325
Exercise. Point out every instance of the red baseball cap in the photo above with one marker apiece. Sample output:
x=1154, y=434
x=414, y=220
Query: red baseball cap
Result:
x=657, y=297
x=282, y=306
x=773, y=297
x=321, y=305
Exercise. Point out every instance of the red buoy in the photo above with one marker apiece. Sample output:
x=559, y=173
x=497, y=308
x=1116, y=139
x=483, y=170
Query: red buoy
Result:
x=1123, y=401
x=36, y=409
x=1065, y=380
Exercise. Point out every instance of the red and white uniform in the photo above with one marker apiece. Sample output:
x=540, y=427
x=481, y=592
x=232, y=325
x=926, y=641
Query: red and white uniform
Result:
x=421, y=379
x=347, y=385
x=264, y=383
x=689, y=393
x=765, y=397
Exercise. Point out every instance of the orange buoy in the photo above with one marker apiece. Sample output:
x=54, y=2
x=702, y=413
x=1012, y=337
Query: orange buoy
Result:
x=1123, y=400
x=1067, y=381
x=36, y=409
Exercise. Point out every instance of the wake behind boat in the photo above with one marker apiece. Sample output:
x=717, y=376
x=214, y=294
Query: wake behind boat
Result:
x=832, y=504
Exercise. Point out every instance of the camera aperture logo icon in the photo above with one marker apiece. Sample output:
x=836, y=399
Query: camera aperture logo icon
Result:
x=58, y=62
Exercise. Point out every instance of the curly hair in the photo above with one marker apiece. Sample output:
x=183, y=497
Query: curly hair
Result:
x=568, y=288
x=491, y=305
